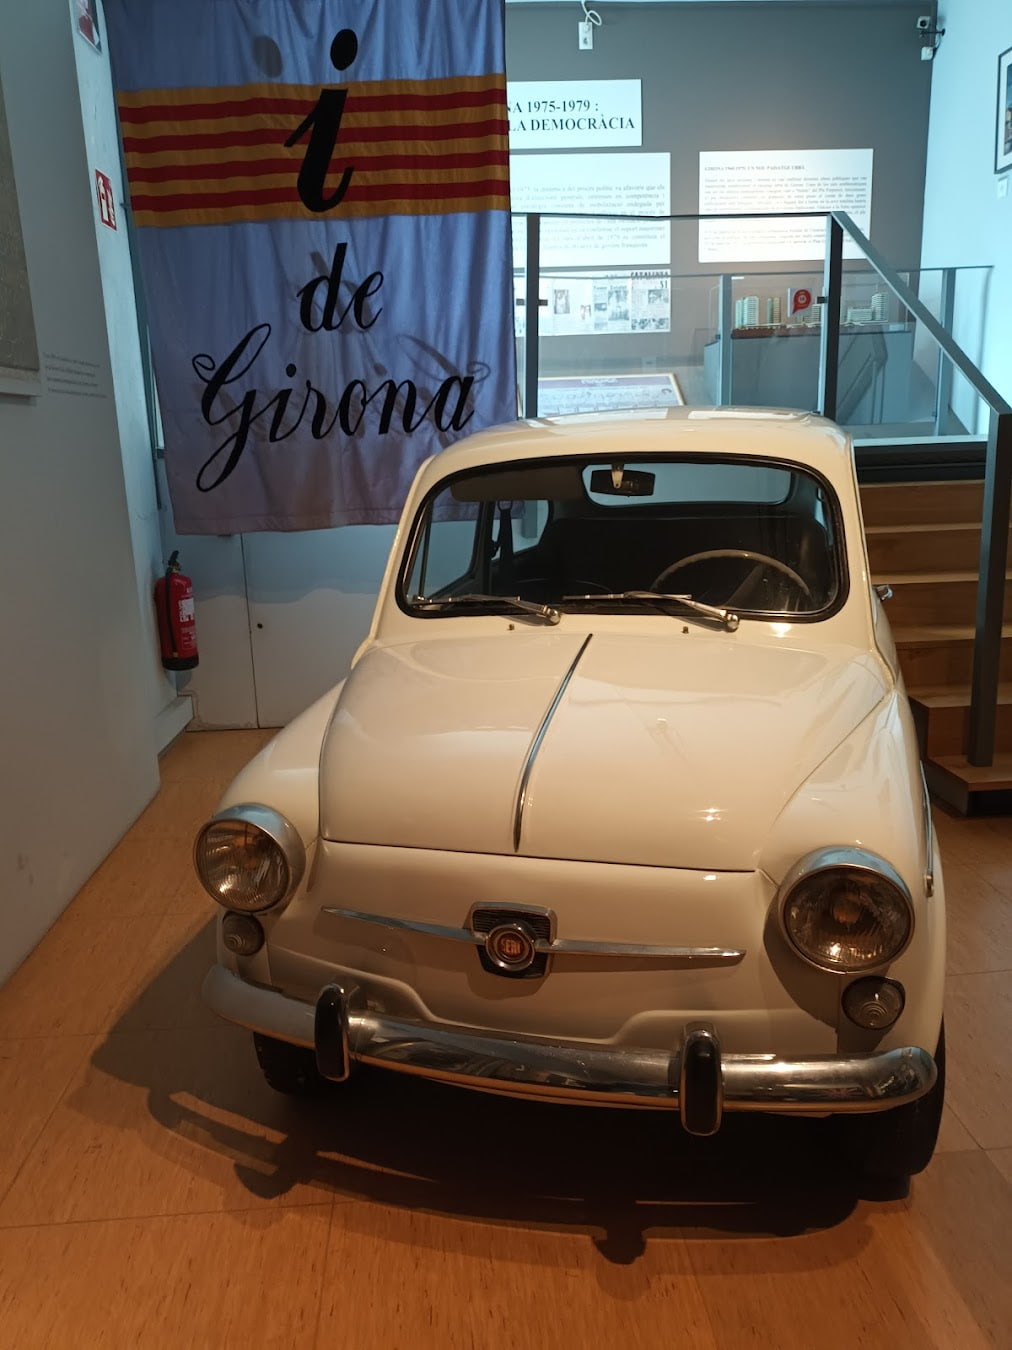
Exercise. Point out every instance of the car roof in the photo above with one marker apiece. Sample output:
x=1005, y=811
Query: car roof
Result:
x=773, y=433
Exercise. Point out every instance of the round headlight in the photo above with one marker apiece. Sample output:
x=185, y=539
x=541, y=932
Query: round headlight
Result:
x=846, y=910
x=249, y=858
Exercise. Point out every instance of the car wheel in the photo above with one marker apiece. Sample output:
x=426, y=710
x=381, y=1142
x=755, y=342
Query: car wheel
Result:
x=290, y=1069
x=894, y=1145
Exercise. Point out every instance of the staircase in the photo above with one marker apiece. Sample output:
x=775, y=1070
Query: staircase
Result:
x=924, y=541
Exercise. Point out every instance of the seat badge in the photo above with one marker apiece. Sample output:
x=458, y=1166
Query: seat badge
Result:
x=513, y=940
x=510, y=947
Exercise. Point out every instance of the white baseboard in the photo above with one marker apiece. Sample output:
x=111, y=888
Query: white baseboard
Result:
x=172, y=720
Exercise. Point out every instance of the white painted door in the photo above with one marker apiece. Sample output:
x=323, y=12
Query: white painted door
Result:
x=311, y=600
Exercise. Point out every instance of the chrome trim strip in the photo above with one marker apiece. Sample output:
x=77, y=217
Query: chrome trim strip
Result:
x=556, y=947
x=711, y=955
x=929, y=839
x=594, y=1072
x=532, y=754
x=408, y=925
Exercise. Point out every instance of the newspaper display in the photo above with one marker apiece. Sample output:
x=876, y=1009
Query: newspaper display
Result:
x=604, y=302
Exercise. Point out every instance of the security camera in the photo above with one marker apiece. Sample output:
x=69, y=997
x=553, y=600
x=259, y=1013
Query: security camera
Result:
x=924, y=23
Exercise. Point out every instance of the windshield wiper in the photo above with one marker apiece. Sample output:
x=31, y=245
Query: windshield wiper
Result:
x=727, y=617
x=513, y=602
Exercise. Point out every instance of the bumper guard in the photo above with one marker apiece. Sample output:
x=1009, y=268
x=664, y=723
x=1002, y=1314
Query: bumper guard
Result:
x=693, y=1077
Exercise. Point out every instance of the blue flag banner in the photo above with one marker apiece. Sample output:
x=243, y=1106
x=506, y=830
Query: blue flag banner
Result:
x=320, y=190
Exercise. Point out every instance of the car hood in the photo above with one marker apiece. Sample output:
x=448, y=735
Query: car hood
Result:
x=677, y=750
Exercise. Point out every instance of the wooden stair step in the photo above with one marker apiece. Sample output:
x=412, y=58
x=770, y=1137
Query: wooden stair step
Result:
x=921, y=527
x=942, y=719
x=925, y=633
x=938, y=655
x=932, y=578
x=923, y=503
x=996, y=776
x=953, y=697
x=922, y=548
x=961, y=784
x=925, y=599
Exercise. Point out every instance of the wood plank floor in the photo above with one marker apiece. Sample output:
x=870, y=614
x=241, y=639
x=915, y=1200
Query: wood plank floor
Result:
x=155, y=1193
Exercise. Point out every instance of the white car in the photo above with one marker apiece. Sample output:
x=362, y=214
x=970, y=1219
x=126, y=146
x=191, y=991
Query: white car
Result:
x=621, y=802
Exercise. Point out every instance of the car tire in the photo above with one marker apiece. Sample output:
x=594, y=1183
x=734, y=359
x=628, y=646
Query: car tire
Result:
x=895, y=1145
x=290, y=1069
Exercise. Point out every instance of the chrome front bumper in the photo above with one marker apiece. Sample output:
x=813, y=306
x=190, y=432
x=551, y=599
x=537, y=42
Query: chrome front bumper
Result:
x=693, y=1077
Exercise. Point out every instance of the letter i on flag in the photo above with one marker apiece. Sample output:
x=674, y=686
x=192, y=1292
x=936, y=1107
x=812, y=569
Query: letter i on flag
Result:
x=320, y=191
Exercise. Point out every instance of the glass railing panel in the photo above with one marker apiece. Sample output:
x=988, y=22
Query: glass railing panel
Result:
x=620, y=338
x=775, y=320
x=520, y=318
x=970, y=306
x=611, y=323
x=883, y=389
x=901, y=386
x=628, y=316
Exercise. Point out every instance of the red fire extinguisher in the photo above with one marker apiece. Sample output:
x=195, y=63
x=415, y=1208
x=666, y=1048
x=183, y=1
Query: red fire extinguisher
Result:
x=177, y=629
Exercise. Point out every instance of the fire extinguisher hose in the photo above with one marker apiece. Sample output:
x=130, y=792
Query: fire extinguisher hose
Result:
x=171, y=566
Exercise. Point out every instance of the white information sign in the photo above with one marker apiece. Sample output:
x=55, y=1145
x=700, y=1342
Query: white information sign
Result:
x=779, y=180
x=552, y=114
x=636, y=184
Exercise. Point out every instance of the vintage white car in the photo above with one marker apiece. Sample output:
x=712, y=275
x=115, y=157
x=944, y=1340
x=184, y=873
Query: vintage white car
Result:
x=621, y=802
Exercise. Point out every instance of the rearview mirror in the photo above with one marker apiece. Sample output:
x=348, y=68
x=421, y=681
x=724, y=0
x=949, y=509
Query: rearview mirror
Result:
x=620, y=482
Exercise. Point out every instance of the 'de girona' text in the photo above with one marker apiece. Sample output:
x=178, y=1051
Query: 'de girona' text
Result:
x=399, y=405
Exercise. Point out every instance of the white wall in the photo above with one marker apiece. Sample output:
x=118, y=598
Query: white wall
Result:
x=78, y=759
x=279, y=617
x=101, y=136
x=965, y=221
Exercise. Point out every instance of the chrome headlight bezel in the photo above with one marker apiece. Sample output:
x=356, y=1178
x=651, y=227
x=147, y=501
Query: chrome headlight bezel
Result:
x=860, y=863
x=279, y=830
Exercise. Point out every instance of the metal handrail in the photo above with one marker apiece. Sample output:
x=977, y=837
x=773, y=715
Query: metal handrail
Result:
x=923, y=315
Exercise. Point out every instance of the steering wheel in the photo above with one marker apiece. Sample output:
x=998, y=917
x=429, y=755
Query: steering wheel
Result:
x=762, y=559
x=572, y=586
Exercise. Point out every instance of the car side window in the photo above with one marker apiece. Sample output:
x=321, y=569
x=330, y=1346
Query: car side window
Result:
x=447, y=551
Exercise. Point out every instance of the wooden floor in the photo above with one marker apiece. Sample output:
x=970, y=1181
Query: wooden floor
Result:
x=155, y=1193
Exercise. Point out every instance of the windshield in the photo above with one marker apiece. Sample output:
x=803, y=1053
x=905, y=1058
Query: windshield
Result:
x=757, y=536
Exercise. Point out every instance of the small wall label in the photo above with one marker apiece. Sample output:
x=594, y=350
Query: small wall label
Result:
x=106, y=201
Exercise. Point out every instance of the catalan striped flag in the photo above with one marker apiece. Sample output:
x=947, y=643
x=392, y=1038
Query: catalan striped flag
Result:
x=215, y=156
x=320, y=195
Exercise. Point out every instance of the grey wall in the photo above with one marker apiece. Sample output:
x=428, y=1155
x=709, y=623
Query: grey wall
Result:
x=725, y=76
x=101, y=135
x=78, y=760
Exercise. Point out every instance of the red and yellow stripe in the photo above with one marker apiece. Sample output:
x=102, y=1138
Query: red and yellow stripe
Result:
x=216, y=156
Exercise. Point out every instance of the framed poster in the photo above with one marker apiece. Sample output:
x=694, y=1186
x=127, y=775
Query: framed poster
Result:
x=1003, y=123
x=86, y=14
x=19, y=352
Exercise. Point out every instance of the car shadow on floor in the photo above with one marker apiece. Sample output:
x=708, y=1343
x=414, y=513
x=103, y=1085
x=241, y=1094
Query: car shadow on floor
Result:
x=397, y=1140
